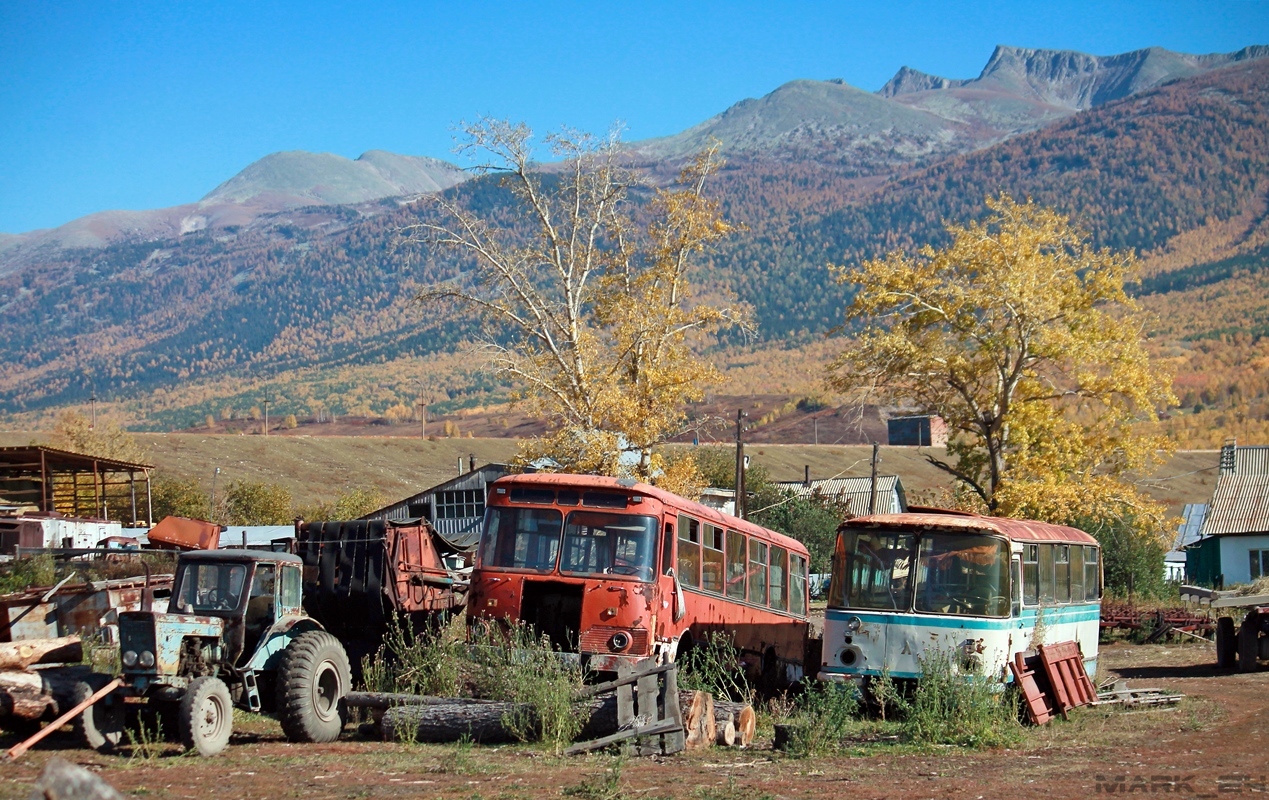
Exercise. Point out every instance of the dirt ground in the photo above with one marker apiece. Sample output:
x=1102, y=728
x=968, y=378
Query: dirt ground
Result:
x=1212, y=745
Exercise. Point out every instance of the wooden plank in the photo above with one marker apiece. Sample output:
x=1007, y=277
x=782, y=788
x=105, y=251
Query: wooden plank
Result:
x=655, y=729
x=608, y=686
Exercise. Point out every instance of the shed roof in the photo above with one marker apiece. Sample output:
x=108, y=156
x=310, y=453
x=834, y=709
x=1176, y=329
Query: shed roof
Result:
x=1240, y=504
x=856, y=490
x=28, y=457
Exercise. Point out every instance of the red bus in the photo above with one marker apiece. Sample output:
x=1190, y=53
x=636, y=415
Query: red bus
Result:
x=614, y=570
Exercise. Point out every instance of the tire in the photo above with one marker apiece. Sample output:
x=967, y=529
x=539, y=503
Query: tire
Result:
x=313, y=678
x=101, y=726
x=206, y=716
x=1226, y=643
x=1248, y=647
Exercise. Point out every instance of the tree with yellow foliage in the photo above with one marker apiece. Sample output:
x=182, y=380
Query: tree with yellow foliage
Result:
x=1020, y=335
x=595, y=299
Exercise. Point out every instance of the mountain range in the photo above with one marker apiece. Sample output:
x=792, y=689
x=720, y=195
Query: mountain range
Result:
x=288, y=276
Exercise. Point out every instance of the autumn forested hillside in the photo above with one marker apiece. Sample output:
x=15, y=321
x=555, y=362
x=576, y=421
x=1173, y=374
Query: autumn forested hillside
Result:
x=312, y=309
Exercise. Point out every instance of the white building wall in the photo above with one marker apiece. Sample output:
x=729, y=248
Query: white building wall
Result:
x=1235, y=564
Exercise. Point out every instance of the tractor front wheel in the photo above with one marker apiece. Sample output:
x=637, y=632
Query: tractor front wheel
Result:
x=101, y=726
x=206, y=716
x=313, y=677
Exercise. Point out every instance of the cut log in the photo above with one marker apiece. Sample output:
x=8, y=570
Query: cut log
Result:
x=386, y=700
x=698, y=719
x=726, y=730
x=743, y=717
x=22, y=654
x=449, y=722
x=38, y=694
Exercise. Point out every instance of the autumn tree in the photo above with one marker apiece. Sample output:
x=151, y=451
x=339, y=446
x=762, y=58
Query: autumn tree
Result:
x=1020, y=335
x=590, y=292
x=103, y=438
x=253, y=503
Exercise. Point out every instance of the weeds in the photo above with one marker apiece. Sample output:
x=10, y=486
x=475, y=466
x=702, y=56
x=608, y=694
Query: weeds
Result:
x=458, y=759
x=428, y=661
x=23, y=573
x=714, y=666
x=886, y=696
x=949, y=707
x=825, y=713
x=145, y=743
x=606, y=786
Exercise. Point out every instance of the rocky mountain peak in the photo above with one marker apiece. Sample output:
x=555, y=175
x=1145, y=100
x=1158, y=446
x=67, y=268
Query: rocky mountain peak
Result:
x=908, y=80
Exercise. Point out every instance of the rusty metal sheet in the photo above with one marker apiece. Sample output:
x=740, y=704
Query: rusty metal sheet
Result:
x=185, y=534
x=1014, y=529
x=1034, y=686
x=1063, y=665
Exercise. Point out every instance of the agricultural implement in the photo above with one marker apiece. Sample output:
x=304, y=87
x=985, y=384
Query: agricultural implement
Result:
x=1240, y=643
x=234, y=634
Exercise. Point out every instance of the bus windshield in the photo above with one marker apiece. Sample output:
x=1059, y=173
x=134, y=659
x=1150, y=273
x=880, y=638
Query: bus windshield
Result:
x=872, y=569
x=937, y=573
x=963, y=574
x=521, y=538
x=599, y=543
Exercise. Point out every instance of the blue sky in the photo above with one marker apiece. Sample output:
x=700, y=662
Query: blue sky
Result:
x=110, y=105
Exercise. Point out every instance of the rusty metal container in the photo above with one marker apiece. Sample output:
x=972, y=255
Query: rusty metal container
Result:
x=179, y=533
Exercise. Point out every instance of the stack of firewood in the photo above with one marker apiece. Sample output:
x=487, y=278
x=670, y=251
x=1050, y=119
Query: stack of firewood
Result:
x=28, y=694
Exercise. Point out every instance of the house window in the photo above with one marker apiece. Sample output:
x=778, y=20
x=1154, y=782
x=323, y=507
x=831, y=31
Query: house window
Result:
x=1259, y=563
x=463, y=503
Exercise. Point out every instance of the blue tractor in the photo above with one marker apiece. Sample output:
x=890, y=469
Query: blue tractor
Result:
x=234, y=634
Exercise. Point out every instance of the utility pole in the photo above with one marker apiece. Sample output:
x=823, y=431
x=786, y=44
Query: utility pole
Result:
x=422, y=418
x=872, y=502
x=742, y=502
x=211, y=512
x=266, y=416
x=817, y=430
x=92, y=423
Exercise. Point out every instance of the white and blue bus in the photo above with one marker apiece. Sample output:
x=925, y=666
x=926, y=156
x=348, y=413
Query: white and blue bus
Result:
x=904, y=585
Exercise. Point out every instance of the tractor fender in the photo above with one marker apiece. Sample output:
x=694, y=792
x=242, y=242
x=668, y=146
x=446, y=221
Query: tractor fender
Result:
x=269, y=652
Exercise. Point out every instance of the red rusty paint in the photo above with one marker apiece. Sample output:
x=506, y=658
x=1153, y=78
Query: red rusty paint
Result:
x=644, y=610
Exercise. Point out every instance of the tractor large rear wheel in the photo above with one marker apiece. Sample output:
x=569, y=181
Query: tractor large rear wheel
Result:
x=206, y=716
x=313, y=678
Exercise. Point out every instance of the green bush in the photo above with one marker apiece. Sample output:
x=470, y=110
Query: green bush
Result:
x=824, y=715
x=951, y=707
x=714, y=666
x=23, y=573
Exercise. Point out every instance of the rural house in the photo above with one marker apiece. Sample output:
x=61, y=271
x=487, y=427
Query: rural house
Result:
x=1234, y=545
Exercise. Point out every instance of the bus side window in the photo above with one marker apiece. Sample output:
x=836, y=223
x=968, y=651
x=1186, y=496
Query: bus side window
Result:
x=667, y=549
x=1062, y=572
x=1092, y=574
x=797, y=585
x=1077, y=574
x=1015, y=573
x=712, y=560
x=689, y=561
x=779, y=578
x=1030, y=574
x=757, y=572
x=1046, y=574
x=737, y=556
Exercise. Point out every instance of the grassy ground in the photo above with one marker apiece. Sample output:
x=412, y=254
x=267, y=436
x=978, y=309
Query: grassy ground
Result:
x=1213, y=740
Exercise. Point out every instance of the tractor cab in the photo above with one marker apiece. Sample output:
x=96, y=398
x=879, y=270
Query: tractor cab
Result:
x=250, y=590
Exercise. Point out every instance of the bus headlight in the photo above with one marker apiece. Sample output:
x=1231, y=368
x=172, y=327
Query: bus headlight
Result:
x=129, y=658
x=853, y=624
x=146, y=659
x=620, y=640
x=850, y=657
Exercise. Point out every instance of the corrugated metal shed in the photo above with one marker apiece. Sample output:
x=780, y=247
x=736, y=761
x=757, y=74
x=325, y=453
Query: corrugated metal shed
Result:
x=455, y=508
x=1240, y=504
x=856, y=492
x=1244, y=459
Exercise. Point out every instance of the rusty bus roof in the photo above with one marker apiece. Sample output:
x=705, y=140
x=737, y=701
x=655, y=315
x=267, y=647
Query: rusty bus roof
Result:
x=704, y=512
x=1023, y=530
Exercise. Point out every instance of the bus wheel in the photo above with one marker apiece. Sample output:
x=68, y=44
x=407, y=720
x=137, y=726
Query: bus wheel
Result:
x=1248, y=647
x=683, y=649
x=1226, y=643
